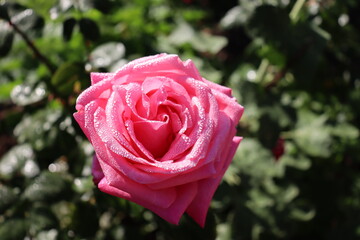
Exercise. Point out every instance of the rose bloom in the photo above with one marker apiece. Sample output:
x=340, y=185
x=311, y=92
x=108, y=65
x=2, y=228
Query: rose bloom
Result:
x=163, y=135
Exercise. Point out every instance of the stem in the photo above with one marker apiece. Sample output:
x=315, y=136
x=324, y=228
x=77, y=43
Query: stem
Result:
x=294, y=13
x=45, y=61
x=31, y=45
x=261, y=72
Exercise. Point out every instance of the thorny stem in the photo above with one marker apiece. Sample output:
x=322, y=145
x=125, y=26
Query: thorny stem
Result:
x=44, y=60
x=31, y=45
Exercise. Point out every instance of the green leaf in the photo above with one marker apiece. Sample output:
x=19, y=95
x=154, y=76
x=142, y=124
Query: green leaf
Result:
x=307, y=54
x=223, y=231
x=312, y=135
x=243, y=13
x=299, y=162
x=49, y=131
x=14, y=160
x=283, y=37
x=203, y=42
x=39, y=129
x=6, y=38
x=278, y=18
x=107, y=54
x=66, y=76
x=231, y=176
x=13, y=229
x=345, y=130
x=48, y=235
x=269, y=129
x=85, y=211
x=183, y=33
x=273, y=55
x=188, y=229
x=41, y=218
x=25, y=19
x=4, y=12
x=254, y=160
x=315, y=141
x=68, y=27
x=32, y=90
x=89, y=29
x=42, y=7
x=302, y=215
x=83, y=185
x=5, y=90
x=27, y=93
x=47, y=187
x=234, y=17
x=8, y=196
x=64, y=211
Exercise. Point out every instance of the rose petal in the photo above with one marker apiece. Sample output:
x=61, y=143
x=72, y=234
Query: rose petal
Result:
x=207, y=187
x=97, y=77
x=229, y=106
x=93, y=93
x=185, y=195
x=96, y=170
x=162, y=132
x=212, y=163
x=172, y=214
x=128, y=67
x=138, y=192
x=114, y=112
x=216, y=87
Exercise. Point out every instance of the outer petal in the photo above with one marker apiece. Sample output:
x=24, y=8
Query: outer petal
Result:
x=172, y=213
x=207, y=187
x=229, y=106
x=93, y=93
x=216, y=87
x=96, y=170
x=138, y=192
x=97, y=77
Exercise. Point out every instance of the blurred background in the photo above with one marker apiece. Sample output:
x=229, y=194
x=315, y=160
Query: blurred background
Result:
x=293, y=64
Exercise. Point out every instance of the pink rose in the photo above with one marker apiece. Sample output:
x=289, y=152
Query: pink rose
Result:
x=163, y=135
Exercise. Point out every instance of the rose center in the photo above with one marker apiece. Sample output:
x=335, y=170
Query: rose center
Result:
x=156, y=135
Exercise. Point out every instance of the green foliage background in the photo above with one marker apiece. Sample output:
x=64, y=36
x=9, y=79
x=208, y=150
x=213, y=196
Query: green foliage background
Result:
x=294, y=65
